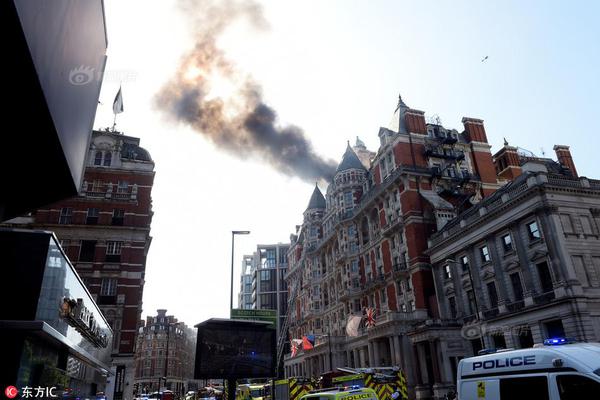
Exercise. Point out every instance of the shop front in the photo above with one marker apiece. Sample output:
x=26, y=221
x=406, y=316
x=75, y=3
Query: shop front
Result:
x=56, y=339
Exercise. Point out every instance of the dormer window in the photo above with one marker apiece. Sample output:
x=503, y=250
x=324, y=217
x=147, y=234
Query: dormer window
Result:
x=102, y=158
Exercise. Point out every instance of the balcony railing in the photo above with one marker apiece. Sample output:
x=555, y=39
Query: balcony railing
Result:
x=515, y=306
x=469, y=318
x=393, y=222
x=491, y=313
x=399, y=269
x=440, y=152
x=544, y=298
x=390, y=316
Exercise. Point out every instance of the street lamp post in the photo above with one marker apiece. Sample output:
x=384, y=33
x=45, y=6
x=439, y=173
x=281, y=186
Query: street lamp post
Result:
x=474, y=299
x=329, y=340
x=233, y=233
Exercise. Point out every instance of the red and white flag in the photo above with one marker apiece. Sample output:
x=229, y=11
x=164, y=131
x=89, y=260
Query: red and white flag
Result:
x=295, y=344
x=370, y=316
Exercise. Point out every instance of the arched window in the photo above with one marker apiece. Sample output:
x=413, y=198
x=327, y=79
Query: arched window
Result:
x=107, y=159
x=98, y=158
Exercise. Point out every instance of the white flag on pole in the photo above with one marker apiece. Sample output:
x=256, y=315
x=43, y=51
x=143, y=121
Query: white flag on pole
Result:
x=352, y=325
x=118, y=103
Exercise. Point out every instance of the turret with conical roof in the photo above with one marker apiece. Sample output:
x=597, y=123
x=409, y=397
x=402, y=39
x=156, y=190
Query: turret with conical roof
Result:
x=349, y=161
x=344, y=193
x=313, y=217
x=317, y=201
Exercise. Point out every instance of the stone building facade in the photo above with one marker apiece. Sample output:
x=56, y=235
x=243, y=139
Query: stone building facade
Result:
x=523, y=265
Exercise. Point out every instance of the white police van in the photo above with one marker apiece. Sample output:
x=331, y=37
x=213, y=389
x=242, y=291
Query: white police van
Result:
x=558, y=370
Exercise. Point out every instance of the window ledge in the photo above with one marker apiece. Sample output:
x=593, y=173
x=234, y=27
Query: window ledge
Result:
x=508, y=253
x=535, y=242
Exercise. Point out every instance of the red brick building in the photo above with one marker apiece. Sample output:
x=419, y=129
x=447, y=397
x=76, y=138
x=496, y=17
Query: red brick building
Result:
x=370, y=241
x=363, y=245
x=105, y=232
x=165, y=354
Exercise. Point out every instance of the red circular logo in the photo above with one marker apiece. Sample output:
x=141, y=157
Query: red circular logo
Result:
x=11, y=392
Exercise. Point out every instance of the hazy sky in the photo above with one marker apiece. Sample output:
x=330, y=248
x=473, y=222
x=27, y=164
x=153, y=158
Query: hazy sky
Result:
x=335, y=68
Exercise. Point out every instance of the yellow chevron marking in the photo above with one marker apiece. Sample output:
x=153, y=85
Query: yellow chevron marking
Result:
x=347, y=378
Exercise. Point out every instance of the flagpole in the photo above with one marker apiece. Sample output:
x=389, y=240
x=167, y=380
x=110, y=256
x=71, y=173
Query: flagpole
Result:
x=117, y=107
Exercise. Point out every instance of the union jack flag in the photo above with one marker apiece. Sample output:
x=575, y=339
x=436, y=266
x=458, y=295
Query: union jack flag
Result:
x=295, y=343
x=370, y=316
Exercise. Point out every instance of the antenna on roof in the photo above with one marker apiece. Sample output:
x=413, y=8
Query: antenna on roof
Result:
x=435, y=120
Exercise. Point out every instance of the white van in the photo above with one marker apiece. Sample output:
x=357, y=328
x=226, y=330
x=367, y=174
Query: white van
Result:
x=556, y=370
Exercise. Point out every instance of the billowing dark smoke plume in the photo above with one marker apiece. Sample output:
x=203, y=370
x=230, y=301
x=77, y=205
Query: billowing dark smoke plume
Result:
x=245, y=125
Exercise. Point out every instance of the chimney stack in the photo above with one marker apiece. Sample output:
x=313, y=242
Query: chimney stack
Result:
x=506, y=160
x=474, y=130
x=415, y=121
x=563, y=154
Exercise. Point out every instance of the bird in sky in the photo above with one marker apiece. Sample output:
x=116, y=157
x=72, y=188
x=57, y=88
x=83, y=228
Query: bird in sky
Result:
x=484, y=58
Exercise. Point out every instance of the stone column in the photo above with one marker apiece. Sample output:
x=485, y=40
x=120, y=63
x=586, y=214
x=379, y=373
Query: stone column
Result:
x=526, y=268
x=417, y=355
x=398, y=352
x=563, y=269
x=435, y=362
x=492, y=244
x=475, y=266
x=371, y=356
x=377, y=360
x=536, y=333
x=392, y=351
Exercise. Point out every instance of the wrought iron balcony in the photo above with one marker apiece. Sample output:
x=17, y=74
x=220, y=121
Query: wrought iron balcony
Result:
x=515, y=306
x=440, y=152
x=400, y=269
x=491, y=313
x=544, y=298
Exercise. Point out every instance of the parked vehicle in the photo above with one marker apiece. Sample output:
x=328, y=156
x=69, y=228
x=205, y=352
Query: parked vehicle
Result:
x=341, y=394
x=556, y=370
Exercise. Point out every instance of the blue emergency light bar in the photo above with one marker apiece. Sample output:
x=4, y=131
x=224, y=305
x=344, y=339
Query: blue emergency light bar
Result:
x=557, y=341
